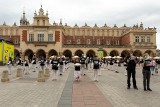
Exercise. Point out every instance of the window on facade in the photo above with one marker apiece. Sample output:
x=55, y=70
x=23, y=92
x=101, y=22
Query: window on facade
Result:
x=142, y=38
x=50, y=37
x=108, y=42
x=37, y=22
x=68, y=41
x=16, y=41
x=31, y=37
x=88, y=41
x=78, y=41
x=98, y=42
x=43, y=22
x=137, y=39
x=117, y=42
x=40, y=37
x=148, y=39
x=6, y=32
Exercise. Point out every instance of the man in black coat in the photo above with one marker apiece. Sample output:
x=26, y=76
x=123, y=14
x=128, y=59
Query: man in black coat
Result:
x=131, y=70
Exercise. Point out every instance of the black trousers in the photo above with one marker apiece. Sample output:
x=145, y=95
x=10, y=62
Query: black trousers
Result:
x=131, y=72
x=146, y=78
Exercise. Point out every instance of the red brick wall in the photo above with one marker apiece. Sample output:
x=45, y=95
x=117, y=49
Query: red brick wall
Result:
x=24, y=35
x=57, y=36
x=125, y=40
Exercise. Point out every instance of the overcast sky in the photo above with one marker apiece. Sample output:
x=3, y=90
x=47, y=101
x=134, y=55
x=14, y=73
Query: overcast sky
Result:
x=79, y=12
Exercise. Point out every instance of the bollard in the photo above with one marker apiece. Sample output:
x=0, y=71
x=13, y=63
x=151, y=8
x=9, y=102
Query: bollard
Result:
x=5, y=77
x=19, y=72
x=41, y=77
x=47, y=73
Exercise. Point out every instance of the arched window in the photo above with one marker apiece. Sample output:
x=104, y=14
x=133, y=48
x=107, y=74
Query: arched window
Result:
x=88, y=41
x=78, y=41
x=98, y=42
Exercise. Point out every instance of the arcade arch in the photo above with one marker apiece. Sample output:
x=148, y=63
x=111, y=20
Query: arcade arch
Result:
x=16, y=53
x=28, y=54
x=137, y=53
x=114, y=53
x=40, y=53
x=90, y=53
x=79, y=53
x=52, y=52
x=151, y=53
x=67, y=53
x=124, y=53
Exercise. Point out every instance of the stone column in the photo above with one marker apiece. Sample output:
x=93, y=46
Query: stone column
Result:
x=5, y=77
x=41, y=77
x=47, y=73
x=19, y=72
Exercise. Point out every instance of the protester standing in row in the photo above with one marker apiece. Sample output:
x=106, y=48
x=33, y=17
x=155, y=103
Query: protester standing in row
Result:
x=26, y=67
x=9, y=64
x=55, y=65
x=82, y=60
x=96, y=68
x=77, y=71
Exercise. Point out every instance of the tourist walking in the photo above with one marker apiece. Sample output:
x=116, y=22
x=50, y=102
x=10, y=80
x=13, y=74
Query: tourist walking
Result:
x=153, y=66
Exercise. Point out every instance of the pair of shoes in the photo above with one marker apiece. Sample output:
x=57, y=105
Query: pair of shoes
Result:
x=145, y=89
x=136, y=88
x=149, y=89
x=84, y=74
x=60, y=74
x=128, y=87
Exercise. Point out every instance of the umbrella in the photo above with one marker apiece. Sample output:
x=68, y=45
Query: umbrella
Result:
x=119, y=57
x=107, y=57
x=156, y=57
x=75, y=56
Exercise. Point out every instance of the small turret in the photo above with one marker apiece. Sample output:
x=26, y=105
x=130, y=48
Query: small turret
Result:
x=23, y=20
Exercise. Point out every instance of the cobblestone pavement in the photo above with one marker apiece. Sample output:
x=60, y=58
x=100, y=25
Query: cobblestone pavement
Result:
x=114, y=87
x=26, y=92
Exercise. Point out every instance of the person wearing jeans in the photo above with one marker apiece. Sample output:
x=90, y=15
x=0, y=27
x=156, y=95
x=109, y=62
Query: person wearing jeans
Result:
x=146, y=74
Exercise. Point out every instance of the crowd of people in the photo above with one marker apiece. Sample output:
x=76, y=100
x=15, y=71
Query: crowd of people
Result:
x=58, y=65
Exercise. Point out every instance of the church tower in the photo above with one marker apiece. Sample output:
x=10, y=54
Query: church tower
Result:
x=23, y=20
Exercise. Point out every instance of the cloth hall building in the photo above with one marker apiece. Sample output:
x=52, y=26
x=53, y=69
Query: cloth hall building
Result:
x=41, y=38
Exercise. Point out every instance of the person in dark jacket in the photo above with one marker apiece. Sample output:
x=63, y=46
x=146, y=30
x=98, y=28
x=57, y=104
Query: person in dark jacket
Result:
x=147, y=74
x=131, y=70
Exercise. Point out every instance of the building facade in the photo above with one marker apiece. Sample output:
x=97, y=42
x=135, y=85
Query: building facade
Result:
x=44, y=39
